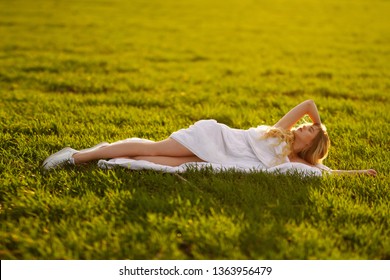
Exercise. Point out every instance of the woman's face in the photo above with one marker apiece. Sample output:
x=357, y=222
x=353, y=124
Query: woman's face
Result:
x=305, y=134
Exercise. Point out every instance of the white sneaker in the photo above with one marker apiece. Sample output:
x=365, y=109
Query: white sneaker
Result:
x=65, y=156
x=59, y=159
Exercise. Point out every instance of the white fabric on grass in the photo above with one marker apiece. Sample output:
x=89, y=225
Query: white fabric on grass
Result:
x=284, y=168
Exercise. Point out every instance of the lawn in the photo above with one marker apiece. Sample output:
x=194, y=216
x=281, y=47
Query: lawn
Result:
x=75, y=73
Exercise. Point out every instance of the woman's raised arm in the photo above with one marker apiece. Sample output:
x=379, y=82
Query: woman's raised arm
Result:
x=307, y=107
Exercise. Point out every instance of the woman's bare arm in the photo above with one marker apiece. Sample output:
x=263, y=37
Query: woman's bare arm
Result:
x=307, y=107
x=370, y=172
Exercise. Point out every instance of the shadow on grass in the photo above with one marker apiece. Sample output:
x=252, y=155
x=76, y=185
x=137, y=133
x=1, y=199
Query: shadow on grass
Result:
x=262, y=204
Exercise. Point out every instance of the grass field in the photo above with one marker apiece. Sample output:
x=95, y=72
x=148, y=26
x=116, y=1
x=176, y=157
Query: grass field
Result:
x=80, y=72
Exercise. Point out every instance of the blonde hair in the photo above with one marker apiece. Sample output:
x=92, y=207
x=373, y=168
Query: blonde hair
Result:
x=318, y=150
x=315, y=153
x=284, y=136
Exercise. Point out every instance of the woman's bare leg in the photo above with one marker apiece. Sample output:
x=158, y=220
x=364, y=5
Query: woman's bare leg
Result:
x=167, y=147
x=170, y=161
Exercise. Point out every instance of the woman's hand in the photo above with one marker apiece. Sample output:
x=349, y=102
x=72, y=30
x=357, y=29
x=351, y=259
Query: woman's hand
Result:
x=370, y=172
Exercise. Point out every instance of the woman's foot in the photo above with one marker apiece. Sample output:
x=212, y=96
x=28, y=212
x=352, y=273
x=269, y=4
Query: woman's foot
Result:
x=59, y=159
x=65, y=156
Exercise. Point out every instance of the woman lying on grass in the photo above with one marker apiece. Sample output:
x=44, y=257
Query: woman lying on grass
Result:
x=209, y=141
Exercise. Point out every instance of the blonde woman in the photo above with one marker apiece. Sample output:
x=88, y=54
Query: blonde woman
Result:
x=213, y=142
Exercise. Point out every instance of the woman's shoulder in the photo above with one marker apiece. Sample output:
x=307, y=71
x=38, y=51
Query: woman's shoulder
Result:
x=293, y=158
x=262, y=127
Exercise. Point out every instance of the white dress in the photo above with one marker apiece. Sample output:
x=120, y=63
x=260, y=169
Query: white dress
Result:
x=214, y=142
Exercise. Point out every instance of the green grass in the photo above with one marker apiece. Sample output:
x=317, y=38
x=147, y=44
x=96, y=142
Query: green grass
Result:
x=81, y=72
